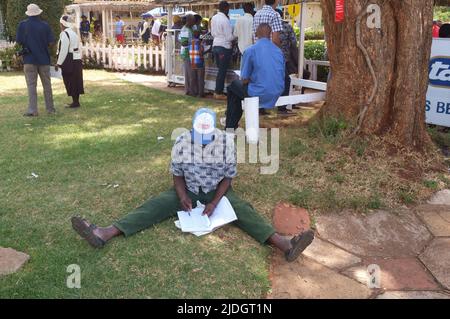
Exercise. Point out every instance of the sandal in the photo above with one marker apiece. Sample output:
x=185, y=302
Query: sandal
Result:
x=299, y=244
x=87, y=232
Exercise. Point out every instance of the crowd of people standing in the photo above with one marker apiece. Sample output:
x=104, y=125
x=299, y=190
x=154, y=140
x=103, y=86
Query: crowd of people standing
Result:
x=36, y=37
x=269, y=52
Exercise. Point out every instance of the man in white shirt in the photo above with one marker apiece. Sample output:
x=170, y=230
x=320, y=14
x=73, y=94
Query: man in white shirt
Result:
x=145, y=31
x=155, y=31
x=222, y=32
x=243, y=29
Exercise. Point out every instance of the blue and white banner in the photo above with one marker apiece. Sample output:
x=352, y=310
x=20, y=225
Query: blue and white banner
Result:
x=438, y=95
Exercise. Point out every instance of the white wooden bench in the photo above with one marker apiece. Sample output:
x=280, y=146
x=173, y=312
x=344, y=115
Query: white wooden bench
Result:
x=253, y=134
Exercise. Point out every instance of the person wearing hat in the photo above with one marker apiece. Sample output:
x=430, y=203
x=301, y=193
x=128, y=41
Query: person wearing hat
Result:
x=144, y=32
x=177, y=22
x=203, y=166
x=35, y=36
x=70, y=61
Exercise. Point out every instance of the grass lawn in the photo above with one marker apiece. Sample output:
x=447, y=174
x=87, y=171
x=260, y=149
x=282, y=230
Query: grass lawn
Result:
x=111, y=140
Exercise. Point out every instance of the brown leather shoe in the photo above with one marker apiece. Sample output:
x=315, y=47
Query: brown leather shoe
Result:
x=221, y=97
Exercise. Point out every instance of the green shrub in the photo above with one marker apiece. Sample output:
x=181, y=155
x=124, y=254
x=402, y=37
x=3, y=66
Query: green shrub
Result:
x=91, y=63
x=310, y=34
x=431, y=184
x=329, y=128
x=10, y=59
x=315, y=50
x=442, y=13
x=407, y=195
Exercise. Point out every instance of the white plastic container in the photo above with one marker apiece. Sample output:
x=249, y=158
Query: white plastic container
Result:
x=251, y=110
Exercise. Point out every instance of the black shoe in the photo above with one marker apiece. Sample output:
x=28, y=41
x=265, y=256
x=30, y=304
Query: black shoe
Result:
x=72, y=106
x=285, y=112
x=299, y=244
x=30, y=114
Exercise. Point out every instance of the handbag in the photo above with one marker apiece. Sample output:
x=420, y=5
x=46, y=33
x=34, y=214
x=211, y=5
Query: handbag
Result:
x=67, y=66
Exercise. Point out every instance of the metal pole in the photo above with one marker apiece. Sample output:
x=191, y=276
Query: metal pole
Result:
x=302, y=26
x=169, y=44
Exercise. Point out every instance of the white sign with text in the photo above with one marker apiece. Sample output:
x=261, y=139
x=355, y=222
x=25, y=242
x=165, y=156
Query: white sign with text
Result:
x=438, y=95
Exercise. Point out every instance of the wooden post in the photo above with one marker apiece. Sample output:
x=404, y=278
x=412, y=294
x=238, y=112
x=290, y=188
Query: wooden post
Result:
x=78, y=20
x=102, y=51
x=145, y=57
x=139, y=56
x=110, y=56
x=163, y=56
x=157, y=52
x=168, y=45
x=111, y=26
x=150, y=55
x=133, y=54
x=97, y=52
x=103, y=26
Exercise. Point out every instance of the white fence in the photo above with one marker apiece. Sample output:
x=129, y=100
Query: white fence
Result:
x=6, y=45
x=313, y=65
x=140, y=57
x=128, y=57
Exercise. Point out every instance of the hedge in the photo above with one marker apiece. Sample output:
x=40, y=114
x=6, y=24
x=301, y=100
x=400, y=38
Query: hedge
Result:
x=315, y=50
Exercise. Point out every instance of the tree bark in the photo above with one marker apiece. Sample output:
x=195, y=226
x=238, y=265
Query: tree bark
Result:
x=380, y=76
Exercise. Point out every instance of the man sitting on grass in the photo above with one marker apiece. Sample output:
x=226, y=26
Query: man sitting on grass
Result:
x=203, y=166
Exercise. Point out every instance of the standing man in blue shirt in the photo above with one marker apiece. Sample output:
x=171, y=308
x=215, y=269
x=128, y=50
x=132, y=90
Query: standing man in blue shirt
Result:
x=262, y=75
x=35, y=37
x=85, y=28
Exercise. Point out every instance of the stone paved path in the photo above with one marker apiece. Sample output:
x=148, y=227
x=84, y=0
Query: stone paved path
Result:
x=11, y=260
x=408, y=251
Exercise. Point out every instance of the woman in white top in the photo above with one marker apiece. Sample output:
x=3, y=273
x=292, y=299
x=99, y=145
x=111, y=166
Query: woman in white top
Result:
x=69, y=59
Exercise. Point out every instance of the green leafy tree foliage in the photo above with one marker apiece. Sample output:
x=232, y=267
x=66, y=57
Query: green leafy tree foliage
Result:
x=3, y=9
x=15, y=12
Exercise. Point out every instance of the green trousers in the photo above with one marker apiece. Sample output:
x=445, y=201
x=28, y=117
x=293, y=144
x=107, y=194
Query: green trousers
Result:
x=167, y=204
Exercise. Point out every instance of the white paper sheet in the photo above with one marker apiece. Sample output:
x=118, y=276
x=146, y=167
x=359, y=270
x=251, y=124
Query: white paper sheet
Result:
x=55, y=74
x=223, y=214
x=194, y=220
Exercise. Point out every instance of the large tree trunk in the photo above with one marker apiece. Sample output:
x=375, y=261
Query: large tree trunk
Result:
x=380, y=78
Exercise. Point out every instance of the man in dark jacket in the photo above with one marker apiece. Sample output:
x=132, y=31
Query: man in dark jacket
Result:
x=35, y=37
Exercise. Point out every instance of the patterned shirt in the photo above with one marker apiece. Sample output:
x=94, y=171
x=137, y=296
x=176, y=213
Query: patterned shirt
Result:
x=196, y=54
x=287, y=37
x=267, y=15
x=185, y=37
x=204, y=167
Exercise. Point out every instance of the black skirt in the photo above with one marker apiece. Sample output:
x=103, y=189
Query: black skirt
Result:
x=73, y=81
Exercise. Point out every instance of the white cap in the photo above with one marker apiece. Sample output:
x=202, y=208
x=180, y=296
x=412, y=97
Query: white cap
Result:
x=33, y=10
